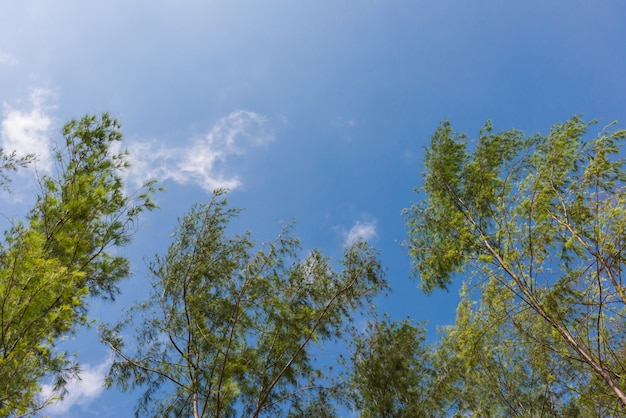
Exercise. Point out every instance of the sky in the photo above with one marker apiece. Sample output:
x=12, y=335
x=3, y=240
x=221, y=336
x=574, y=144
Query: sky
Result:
x=313, y=111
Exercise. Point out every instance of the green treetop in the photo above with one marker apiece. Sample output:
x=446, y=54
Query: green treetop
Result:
x=539, y=223
x=232, y=326
x=61, y=255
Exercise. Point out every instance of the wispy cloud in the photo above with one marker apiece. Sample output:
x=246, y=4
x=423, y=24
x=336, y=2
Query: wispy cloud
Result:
x=363, y=230
x=27, y=131
x=79, y=391
x=347, y=125
x=7, y=58
x=205, y=160
x=347, y=122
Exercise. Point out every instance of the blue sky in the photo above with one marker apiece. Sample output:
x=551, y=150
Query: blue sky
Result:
x=313, y=111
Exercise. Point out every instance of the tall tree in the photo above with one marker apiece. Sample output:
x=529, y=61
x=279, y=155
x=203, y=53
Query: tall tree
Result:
x=11, y=162
x=390, y=372
x=231, y=326
x=542, y=219
x=495, y=363
x=61, y=255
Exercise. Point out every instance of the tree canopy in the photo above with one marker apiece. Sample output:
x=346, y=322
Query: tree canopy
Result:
x=231, y=325
x=51, y=263
x=531, y=229
x=538, y=225
x=390, y=371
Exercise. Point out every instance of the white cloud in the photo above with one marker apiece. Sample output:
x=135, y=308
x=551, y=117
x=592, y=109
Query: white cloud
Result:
x=346, y=122
x=7, y=58
x=364, y=230
x=28, y=131
x=204, y=162
x=79, y=391
x=347, y=125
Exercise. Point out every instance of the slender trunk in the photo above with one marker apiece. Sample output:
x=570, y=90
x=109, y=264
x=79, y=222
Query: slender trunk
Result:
x=573, y=342
x=195, y=405
x=588, y=358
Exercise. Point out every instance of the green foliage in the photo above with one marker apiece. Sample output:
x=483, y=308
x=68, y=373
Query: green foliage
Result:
x=231, y=325
x=540, y=223
x=390, y=372
x=60, y=256
x=321, y=406
x=11, y=162
x=496, y=362
x=85, y=210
